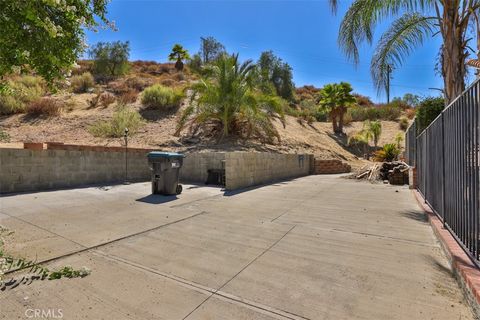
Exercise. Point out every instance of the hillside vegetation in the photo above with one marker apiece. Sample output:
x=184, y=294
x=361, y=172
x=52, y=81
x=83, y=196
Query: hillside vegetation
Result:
x=183, y=107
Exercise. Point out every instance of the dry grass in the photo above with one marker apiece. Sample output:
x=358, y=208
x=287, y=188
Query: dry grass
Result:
x=46, y=106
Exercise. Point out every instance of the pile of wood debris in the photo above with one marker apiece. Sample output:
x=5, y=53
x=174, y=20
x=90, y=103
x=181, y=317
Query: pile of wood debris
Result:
x=395, y=172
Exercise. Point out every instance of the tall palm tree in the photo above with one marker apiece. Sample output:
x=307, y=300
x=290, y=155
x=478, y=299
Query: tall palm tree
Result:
x=335, y=98
x=226, y=102
x=416, y=20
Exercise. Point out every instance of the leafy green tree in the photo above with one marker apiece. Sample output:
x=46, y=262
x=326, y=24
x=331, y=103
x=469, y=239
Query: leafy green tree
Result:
x=178, y=54
x=416, y=20
x=210, y=49
x=226, y=101
x=46, y=36
x=195, y=63
x=335, y=98
x=110, y=58
x=275, y=74
x=411, y=99
x=427, y=111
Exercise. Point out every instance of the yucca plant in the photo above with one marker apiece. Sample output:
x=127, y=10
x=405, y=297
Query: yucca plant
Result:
x=226, y=103
x=375, y=129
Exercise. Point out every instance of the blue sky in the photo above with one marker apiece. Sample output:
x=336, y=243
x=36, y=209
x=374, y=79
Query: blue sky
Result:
x=302, y=33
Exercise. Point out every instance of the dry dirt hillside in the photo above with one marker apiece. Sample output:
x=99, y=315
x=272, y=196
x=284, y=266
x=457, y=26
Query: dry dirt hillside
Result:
x=77, y=116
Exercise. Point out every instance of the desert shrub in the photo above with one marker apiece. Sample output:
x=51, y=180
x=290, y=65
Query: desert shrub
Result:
x=4, y=136
x=82, y=83
x=138, y=83
x=410, y=113
x=46, y=106
x=103, y=99
x=158, y=96
x=167, y=82
x=115, y=127
x=363, y=101
x=389, y=152
x=381, y=112
x=19, y=93
x=179, y=76
x=403, y=123
x=427, y=111
x=82, y=67
x=118, y=87
x=128, y=97
x=358, y=142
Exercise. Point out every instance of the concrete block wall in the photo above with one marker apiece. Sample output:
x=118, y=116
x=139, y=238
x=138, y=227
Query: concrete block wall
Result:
x=32, y=170
x=43, y=169
x=196, y=165
x=244, y=169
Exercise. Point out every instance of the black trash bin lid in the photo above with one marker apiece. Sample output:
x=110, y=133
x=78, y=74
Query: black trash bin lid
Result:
x=160, y=154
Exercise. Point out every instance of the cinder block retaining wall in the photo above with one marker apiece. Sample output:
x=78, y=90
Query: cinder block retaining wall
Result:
x=196, y=165
x=244, y=169
x=33, y=170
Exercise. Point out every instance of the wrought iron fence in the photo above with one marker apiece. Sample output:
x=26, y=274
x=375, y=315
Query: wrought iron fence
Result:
x=446, y=156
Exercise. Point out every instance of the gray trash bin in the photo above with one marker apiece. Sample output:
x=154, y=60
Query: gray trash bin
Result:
x=165, y=168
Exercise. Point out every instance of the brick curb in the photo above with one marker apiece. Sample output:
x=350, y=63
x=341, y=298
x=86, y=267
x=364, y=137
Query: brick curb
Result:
x=466, y=272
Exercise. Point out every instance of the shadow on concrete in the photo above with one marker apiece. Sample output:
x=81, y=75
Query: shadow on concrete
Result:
x=106, y=186
x=157, y=199
x=415, y=215
x=276, y=183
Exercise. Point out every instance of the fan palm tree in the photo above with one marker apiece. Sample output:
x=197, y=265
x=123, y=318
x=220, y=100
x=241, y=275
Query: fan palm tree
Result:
x=335, y=98
x=416, y=20
x=178, y=54
x=226, y=102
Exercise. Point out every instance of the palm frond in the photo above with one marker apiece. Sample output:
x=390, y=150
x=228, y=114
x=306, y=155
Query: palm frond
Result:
x=405, y=34
x=361, y=18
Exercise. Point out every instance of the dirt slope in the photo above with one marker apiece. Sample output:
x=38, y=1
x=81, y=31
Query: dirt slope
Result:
x=72, y=127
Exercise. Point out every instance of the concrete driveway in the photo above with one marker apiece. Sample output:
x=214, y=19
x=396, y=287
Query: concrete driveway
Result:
x=319, y=247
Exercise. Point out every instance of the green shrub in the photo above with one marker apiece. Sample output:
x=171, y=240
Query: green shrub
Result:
x=403, y=123
x=82, y=83
x=389, y=152
x=115, y=128
x=4, y=137
x=158, y=96
x=20, y=91
x=427, y=111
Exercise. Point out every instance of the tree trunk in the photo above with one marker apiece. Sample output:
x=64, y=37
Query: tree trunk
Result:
x=333, y=117
x=179, y=65
x=341, y=113
x=453, y=52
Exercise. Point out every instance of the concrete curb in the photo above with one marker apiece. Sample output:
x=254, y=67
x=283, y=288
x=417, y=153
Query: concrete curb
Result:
x=465, y=271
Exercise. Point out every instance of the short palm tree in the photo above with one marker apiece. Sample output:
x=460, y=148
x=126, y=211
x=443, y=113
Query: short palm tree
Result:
x=178, y=54
x=335, y=98
x=375, y=128
x=225, y=102
x=456, y=21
